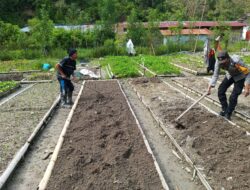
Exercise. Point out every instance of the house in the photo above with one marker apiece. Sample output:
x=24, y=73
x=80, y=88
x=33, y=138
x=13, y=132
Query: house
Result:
x=185, y=35
x=236, y=26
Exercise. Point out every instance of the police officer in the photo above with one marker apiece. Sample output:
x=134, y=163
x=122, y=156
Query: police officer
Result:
x=65, y=69
x=237, y=73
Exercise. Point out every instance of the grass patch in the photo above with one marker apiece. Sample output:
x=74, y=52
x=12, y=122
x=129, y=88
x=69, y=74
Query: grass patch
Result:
x=122, y=66
x=160, y=65
x=24, y=64
x=7, y=85
x=246, y=60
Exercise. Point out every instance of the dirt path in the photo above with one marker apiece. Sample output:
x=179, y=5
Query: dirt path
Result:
x=221, y=149
x=103, y=147
x=174, y=169
x=38, y=157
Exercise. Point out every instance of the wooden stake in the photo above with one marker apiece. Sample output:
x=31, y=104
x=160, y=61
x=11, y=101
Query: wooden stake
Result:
x=43, y=183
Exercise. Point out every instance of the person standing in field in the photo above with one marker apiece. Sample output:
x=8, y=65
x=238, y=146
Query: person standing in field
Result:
x=237, y=73
x=65, y=70
x=130, y=47
x=211, y=60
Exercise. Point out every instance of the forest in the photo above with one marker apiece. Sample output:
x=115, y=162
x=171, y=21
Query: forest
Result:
x=90, y=11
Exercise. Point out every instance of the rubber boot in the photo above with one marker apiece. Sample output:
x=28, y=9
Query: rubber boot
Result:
x=69, y=96
x=63, y=99
x=228, y=116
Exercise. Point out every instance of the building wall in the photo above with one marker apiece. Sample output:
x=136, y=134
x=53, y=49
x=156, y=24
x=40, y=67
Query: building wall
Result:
x=183, y=38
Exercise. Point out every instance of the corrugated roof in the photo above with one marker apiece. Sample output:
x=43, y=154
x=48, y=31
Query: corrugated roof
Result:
x=168, y=24
x=203, y=31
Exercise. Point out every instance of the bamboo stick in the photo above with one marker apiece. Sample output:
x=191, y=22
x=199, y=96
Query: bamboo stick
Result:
x=213, y=101
x=20, y=154
x=38, y=81
x=28, y=71
x=153, y=73
x=43, y=183
x=163, y=181
x=21, y=91
x=164, y=127
x=14, y=162
x=186, y=69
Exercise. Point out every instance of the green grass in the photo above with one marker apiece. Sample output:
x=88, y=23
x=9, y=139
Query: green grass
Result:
x=237, y=46
x=122, y=66
x=7, y=85
x=160, y=65
x=246, y=60
x=24, y=64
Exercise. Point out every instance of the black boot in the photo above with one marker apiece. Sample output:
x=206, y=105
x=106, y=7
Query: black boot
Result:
x=63, y=98
x=228, y=116
x=222, y=113
x=69, y=96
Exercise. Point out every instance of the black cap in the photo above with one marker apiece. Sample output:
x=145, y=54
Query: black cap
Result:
x=72, y=51
x=222, y=56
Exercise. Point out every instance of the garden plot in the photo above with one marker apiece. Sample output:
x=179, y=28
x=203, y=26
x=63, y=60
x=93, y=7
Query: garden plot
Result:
x=20, y=115
x=190, y=63
x=221, y=150
x=7, y=87
x=103, y=147
x=199, y=84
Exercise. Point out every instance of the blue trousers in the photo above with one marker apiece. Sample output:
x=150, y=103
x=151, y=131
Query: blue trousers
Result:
x=65, y=86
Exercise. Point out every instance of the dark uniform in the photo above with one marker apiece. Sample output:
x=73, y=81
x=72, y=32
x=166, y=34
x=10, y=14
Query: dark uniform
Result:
x=237, y=73
x=68, y=67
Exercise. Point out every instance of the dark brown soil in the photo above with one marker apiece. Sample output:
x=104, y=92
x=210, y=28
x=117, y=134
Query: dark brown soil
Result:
x=211, y=142
x=200, y=84
x=103, y=147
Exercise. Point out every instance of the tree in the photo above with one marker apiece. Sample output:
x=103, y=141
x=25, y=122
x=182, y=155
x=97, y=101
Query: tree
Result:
x=9, y=35
x=154, y=36
x=136, y=30
x=42, y=30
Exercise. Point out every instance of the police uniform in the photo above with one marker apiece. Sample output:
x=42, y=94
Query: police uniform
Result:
x=237, y=73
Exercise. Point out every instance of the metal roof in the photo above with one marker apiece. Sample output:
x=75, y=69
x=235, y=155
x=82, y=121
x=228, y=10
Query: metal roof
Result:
x=202, y=31
x=168, y=24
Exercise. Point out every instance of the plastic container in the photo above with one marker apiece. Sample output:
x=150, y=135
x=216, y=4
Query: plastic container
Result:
x=46, y=66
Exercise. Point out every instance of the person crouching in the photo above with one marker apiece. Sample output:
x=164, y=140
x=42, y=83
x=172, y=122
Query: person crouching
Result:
x=65, y=69
x=237, y=73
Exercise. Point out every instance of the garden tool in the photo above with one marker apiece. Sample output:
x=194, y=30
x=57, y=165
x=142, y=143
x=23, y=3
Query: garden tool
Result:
x=189, y=108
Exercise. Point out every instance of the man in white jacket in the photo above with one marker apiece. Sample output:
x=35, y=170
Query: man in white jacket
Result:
x=238, y=74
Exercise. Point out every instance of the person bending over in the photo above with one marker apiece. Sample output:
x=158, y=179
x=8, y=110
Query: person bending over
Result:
x=237, y=73
x=65, y=69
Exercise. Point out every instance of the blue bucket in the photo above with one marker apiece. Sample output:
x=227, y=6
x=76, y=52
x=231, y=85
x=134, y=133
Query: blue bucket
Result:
x=46, y=66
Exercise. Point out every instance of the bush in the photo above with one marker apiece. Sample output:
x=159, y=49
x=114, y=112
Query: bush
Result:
x=161, y=50
x=11, y=55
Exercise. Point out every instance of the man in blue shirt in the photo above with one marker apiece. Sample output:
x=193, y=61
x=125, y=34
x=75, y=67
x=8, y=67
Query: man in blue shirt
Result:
x=65, y=69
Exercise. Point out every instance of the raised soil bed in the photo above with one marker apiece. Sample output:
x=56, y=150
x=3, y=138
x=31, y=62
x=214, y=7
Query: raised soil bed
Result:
x=103, y=147
x=218, y=148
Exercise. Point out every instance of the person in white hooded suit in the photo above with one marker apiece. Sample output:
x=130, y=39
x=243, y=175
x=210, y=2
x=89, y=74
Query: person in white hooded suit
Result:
x=130, y=47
